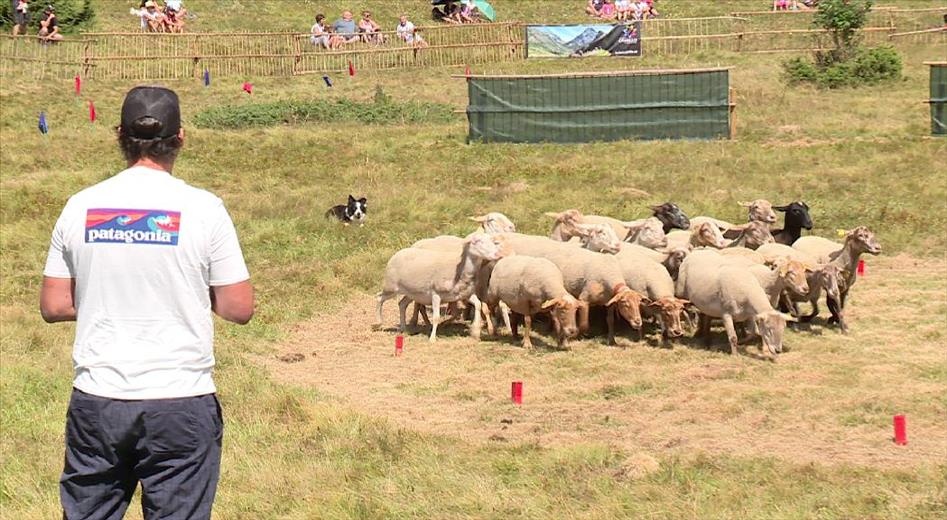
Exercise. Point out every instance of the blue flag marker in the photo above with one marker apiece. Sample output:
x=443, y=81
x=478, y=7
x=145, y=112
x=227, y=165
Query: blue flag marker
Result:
x=327, y=80
x=206, y=78
x=43, y=126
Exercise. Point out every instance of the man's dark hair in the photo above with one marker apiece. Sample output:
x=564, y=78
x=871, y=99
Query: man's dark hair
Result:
x=162, y=150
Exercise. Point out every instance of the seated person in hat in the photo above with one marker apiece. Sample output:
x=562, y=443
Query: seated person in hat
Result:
x=152, y=20
x=174, y=16
x=49, y=26
x=369, y=30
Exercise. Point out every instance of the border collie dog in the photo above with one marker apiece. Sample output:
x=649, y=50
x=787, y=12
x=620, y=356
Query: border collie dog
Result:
x=355, y=210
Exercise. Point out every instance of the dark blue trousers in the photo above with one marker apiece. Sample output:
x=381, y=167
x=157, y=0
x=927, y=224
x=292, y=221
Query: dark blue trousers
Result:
x=171, y=446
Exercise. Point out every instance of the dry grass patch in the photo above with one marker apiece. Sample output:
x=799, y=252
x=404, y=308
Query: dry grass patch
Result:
x=829, y=400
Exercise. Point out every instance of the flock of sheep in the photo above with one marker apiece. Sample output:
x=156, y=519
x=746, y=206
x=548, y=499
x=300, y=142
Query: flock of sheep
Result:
x=665, y=267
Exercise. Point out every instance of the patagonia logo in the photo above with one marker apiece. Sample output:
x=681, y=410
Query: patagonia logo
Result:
x=132, y=226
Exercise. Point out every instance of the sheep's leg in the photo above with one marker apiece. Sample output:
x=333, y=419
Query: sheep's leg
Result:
x=402, y=309
x=505, y=312
x=838, y=315
x=436, y=311
x=488, y=317
x=731, y=333
x=610, y=321
x=416, y=311
x=422, y=310
x=477, y=324
x=527, y=328
x=703, y=328
x=514, y=325
x=583, y=317
x=815, y=311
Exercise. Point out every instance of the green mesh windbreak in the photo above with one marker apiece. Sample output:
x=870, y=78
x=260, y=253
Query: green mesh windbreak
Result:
x=939, y=99
x=578, y=109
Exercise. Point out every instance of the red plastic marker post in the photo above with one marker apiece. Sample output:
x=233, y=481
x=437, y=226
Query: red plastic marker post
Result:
x=248, y=87
x=861, y=268
x=467, y=72
x=78, y=85
x=517, y=392
x=900, y=430
x=399, y=345
x=351, y=68
x=91, y=112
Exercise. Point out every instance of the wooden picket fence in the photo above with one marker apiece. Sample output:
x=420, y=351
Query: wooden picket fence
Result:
x=137, y=55
x=146, y=56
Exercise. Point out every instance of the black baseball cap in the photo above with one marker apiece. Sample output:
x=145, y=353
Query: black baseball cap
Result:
x=157, y=102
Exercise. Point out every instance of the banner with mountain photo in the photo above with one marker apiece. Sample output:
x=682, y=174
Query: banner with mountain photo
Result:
x=562, y=41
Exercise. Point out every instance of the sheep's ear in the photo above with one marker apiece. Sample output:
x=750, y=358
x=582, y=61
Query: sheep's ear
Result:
x=745, y=204
x=481, y=219
x=809, y=267
x=683, y=301
x=549, y=303
x=781, y=208
x=785, y=316
x=647, y=301
x=614, y=299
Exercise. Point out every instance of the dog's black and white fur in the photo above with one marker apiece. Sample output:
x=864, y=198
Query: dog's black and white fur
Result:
x=355, y=211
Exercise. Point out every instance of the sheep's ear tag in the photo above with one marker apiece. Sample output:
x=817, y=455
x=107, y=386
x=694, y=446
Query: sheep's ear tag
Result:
x=841, y=232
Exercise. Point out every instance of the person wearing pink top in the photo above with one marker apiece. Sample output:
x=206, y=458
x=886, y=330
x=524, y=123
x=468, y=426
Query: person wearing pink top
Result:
x=608, y=11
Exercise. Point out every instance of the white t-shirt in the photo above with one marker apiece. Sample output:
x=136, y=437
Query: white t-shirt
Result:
x=144, y=249
x=406, y=31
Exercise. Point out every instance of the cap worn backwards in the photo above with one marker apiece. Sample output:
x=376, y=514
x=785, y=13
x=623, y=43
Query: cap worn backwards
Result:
x=159, y=103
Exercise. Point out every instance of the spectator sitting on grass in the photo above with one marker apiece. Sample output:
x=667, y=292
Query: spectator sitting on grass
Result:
x=608, y=11
x=345, y=28
x=49, y=26
x=594, y=8
x=369, y=29
x=173, y=21
x=624, y=9
x=639, y=9
x=151, y=19
x=446, y=13
x=408, y=33
x=21, y=16
x=652, y=12
x=319, y=36
x=467, y=13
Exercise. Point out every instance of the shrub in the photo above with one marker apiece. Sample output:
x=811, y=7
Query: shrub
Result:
x=842, y=18
x=866, y=67
x=71, y=14
x=380, y=112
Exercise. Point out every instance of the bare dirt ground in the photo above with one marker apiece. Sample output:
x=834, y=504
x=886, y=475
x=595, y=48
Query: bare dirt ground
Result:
x=828, y=400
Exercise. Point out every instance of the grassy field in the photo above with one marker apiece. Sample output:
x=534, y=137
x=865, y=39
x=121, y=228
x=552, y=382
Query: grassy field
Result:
x=349, y=432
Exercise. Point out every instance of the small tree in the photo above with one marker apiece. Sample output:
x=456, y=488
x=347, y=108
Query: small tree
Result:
x=843, y=19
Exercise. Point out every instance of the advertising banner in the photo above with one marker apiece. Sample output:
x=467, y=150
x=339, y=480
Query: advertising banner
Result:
x=563, y=41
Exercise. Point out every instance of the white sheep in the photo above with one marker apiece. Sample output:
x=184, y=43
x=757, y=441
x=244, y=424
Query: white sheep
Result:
x=648, y=232
x=701, y=234
x=564, y=228
x=594, y=278
x=753, y=235
x=758, y=210
x=529, y=285
x=820, y=277
x=720, y=289
x=670, y=257
x=650, y=278
x=493, y=223
x=844, y=256
x=431, y=277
